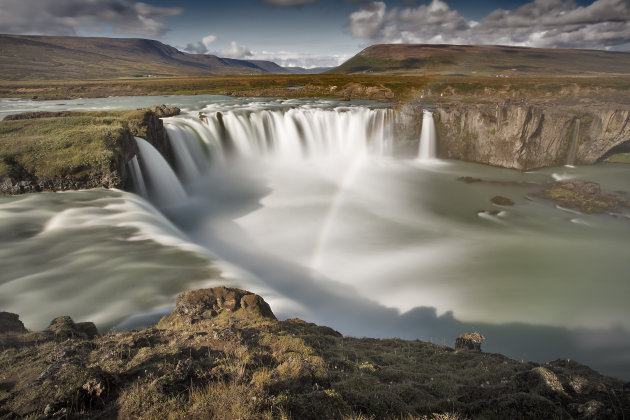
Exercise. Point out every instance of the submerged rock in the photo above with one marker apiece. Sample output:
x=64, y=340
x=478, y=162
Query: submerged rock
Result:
x=586, y=196
x=502, y=201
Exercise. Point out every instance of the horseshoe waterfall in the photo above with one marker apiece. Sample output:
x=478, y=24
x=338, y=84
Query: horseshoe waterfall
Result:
x=337, y=212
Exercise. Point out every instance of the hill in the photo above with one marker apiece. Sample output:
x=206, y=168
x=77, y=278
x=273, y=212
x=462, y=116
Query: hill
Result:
x=25, y=58
x=484, y=60
x=223, y=354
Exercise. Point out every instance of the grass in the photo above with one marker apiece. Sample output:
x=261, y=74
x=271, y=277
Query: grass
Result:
x=50, y=147
x=404, y=87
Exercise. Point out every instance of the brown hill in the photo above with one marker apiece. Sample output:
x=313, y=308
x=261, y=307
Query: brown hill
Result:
x=484, y=60
x=25, y=57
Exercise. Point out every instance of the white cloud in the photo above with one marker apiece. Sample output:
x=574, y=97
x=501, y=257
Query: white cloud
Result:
x=208, y=39
x=235, y=51
x=293, y=59
x=289, y=3
x=67, y=17
x=604, y=24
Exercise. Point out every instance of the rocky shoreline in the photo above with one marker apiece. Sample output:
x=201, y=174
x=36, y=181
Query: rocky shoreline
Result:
x=223, y=354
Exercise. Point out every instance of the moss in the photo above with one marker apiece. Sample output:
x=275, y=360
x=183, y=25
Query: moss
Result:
x=619, y=158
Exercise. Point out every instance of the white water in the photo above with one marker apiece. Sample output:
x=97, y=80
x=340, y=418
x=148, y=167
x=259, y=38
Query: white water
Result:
x=296, y=133
x=427, y=147
x=137, y=178
x=164, y=187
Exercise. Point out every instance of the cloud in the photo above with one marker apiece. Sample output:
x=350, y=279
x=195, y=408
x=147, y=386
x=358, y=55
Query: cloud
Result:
x=293, y=59
x=67, y=17
x=604, y=24
x=203, y=46
x=289, y=3
x=235, y=51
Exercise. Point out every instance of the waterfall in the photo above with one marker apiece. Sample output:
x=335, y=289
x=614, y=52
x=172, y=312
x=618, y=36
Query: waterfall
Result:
x=191, y=157
x=294, y=133
x=162, y=184
x=136, y=177
x=426, y=149
x=573, y=144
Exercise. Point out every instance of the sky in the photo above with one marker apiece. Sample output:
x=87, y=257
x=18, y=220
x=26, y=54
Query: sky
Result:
x=310, y=33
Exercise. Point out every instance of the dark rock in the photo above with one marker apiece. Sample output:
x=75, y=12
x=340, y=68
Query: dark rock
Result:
x=10, y=323
x=586, y=196
x=63, y=328
x=502, y=201
x=468, y=179
x=469, y=341
x=164, y=111
x=208, y=303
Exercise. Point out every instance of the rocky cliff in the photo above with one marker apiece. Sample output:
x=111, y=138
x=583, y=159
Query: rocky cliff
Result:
x=223, y=354
x=53, y=151
x=524, y=137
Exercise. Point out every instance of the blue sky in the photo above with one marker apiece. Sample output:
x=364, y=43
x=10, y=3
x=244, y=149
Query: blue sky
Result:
x=326, y=32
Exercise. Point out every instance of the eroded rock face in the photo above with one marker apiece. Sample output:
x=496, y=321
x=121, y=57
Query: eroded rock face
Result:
x=10, y=323
x=529, y=136
x=196, y=305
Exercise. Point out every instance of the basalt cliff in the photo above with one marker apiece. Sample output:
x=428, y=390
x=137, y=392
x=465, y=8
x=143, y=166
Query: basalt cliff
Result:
x=528, y=136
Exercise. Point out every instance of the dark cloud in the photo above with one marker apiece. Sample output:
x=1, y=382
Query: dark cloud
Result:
x=289, y=3
x=604, y=24
x=66, y=17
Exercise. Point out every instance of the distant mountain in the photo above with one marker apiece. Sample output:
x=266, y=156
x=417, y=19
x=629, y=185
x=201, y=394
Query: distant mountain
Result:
x=483, y=60
x=302, y=70
x=26, y=57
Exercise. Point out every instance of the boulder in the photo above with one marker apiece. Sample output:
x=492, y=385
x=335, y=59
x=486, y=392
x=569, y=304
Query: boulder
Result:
x=469, y=341
x=196, y=305
x=10, y=323
x=64, y=328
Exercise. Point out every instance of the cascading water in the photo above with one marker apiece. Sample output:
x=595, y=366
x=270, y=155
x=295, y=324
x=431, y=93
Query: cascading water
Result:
x=295, y=133
x=136, y=177
x=426, y=150
x=162, y=184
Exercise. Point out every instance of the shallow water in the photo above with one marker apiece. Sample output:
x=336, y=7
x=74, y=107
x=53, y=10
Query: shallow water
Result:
x=364, y=243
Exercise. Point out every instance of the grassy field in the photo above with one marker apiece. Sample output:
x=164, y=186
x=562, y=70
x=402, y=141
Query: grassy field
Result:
x=404, y=87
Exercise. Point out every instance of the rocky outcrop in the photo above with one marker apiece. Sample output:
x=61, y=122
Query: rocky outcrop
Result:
x=119, y=148
x=469, y=341
x=585, y=196
x=10, y=323
x=529, y=136
x=222, y=354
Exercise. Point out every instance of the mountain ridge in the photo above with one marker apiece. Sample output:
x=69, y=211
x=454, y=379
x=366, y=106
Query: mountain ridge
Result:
x=480, y=60
x=38, y=57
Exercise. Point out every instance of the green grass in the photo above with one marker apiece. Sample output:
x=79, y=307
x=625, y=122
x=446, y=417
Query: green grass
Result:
x=48, y=147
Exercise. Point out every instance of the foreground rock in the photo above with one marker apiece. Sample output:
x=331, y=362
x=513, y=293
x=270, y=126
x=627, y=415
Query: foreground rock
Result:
x=223, y=354
x=56, y=151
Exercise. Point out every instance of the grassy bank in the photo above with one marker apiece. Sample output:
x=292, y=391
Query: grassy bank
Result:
x=403, y=87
